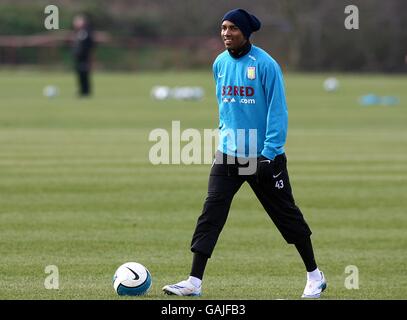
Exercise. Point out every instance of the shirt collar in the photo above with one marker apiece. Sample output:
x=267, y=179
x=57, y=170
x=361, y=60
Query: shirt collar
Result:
x=242, y=51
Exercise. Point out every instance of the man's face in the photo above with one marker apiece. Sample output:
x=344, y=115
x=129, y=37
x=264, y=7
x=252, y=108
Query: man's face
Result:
x=231, y=35
x=79, y=22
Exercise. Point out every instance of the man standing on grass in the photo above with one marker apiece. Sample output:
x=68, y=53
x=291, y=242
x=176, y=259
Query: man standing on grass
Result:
x=82, y=52
x=251, y=98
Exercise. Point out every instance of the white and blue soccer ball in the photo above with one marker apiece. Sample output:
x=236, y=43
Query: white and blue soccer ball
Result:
x=131, y=279
x=50, y=91
x=331, y=84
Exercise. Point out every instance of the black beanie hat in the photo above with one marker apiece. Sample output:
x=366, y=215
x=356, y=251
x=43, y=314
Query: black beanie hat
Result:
x=246, y=22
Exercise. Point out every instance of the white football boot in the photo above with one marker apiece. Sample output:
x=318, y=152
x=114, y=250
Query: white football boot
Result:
x=314, y=288
x=183, y=288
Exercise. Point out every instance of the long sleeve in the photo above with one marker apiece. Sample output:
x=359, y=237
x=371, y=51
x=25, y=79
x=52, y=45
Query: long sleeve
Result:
x=277, y=115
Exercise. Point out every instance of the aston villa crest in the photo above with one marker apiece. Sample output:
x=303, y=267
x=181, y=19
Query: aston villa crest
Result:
x=251, y=73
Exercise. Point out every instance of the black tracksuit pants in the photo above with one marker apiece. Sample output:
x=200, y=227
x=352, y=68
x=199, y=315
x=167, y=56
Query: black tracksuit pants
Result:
x=84, y=83
x=83, y=76
x=272, y=187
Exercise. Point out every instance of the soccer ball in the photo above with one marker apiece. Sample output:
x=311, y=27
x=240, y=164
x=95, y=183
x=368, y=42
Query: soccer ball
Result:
x=160, y=92
x=131, y=279
x=50, y=91
x=331, y=84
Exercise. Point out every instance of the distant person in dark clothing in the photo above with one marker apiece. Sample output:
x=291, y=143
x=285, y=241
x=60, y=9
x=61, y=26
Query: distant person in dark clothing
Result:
x=82, y=48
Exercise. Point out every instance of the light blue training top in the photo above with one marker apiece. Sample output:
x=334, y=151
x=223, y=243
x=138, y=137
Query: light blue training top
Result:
x=253, y=115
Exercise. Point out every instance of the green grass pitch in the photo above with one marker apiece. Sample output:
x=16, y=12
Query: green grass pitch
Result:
x=77, y=190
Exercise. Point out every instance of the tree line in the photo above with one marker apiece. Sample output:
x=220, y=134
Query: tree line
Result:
x=303, y=35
